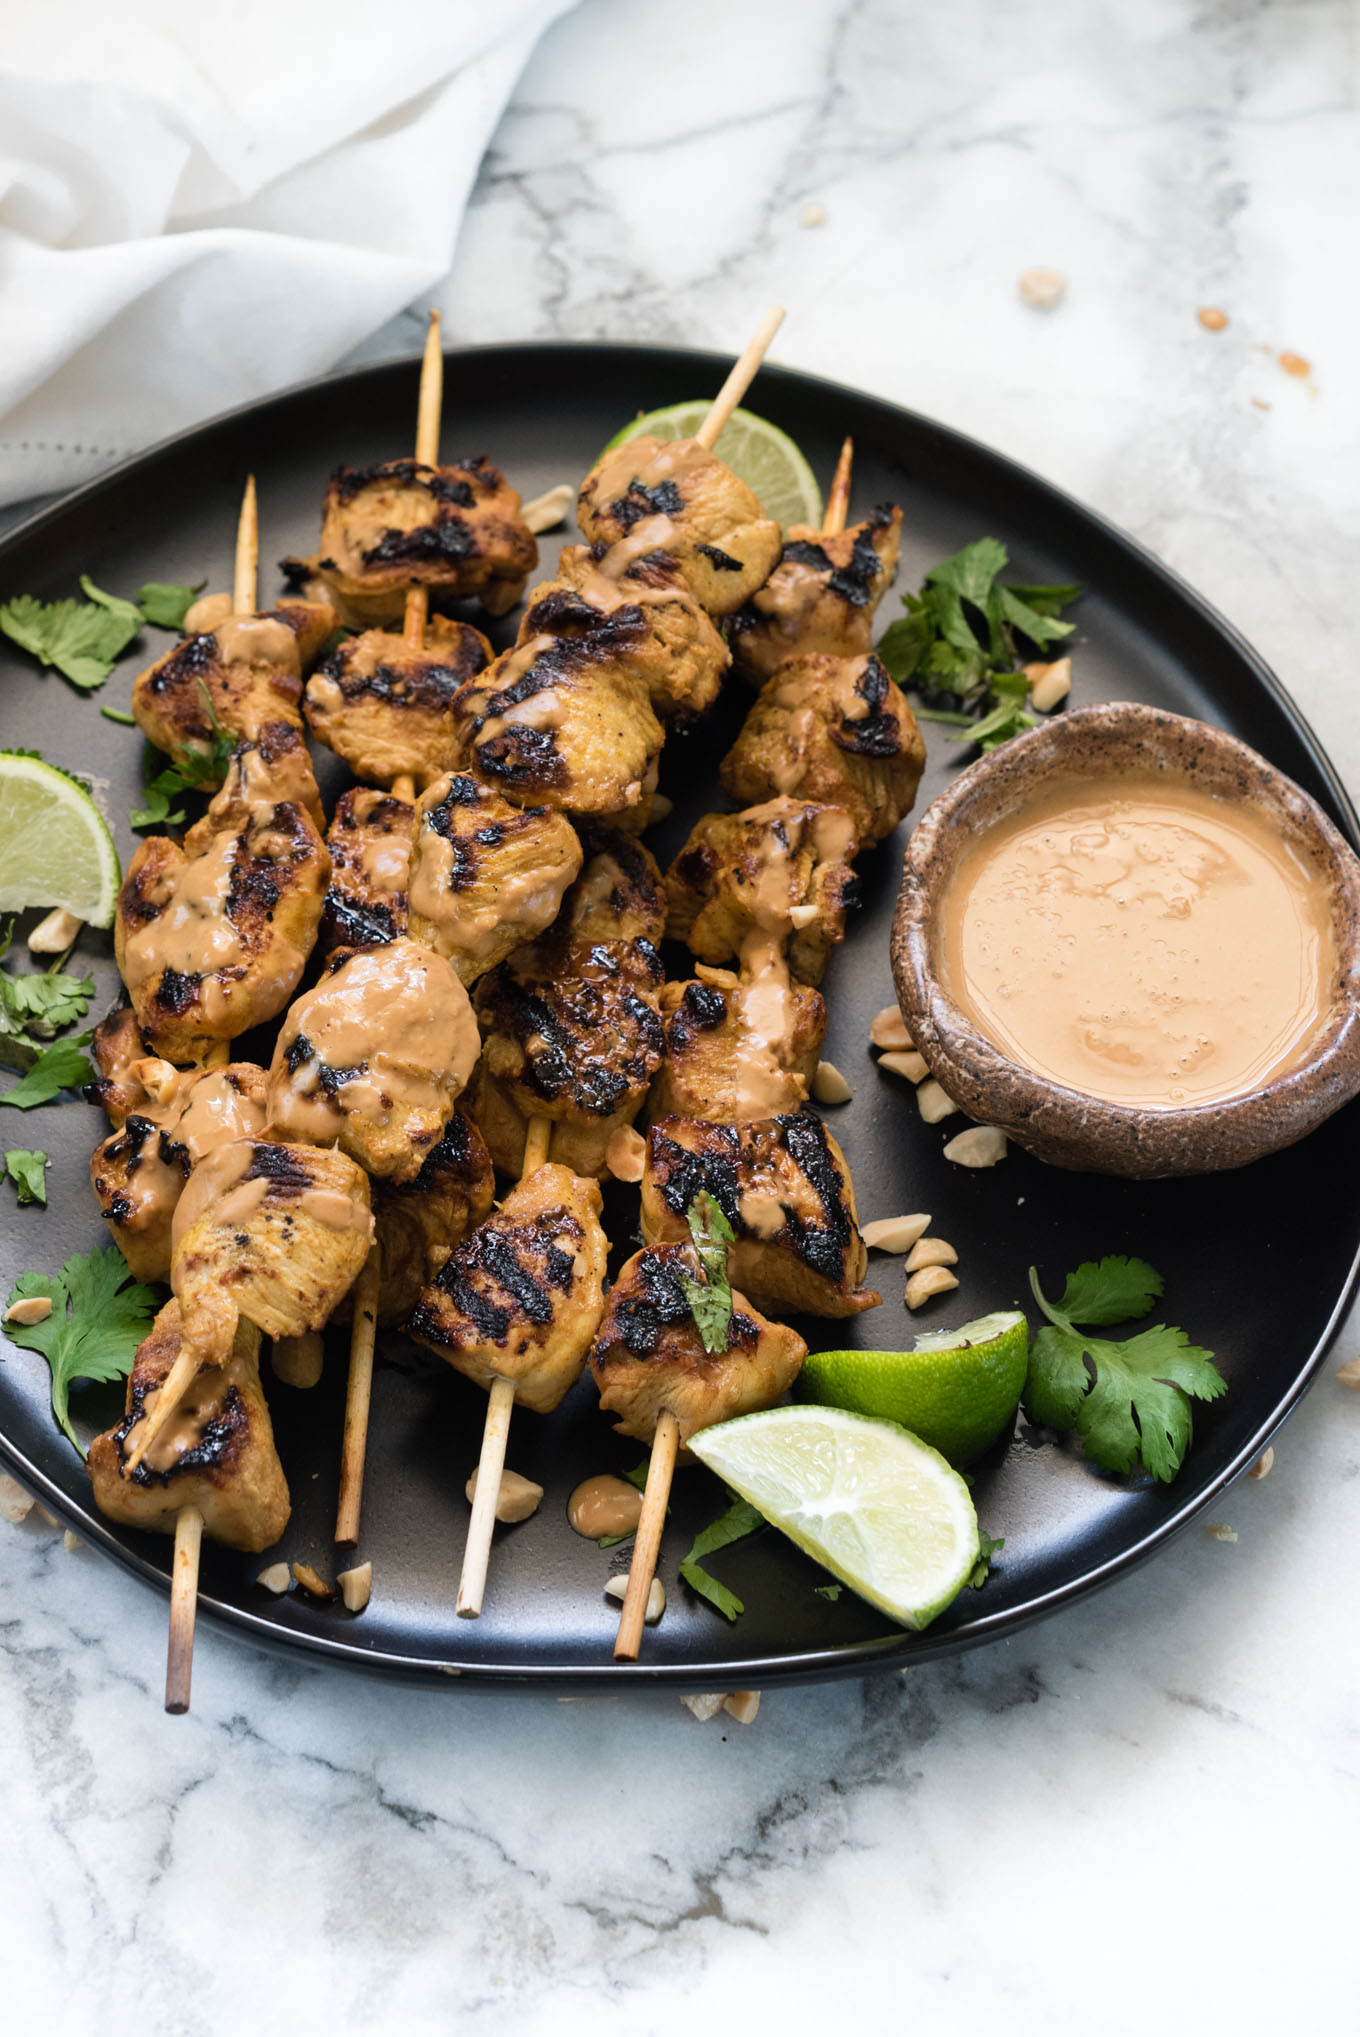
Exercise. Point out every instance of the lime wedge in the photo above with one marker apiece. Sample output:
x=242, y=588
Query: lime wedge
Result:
x=958, y=1390
x=881, y=1509
x=54, y=846
x=758, y=452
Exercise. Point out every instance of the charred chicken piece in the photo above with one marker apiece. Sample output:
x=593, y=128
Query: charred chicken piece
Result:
x=273, y=766
x=821, y=597
x=117, y=1050
x=373, y=1058
x=485, y=875
x=648, y=1356
x=564, y=719
x=676, y=496
x=738, y=1048
x=217, y=1454
x=572, y=1025
x=784, y=1187
x=419, y=1222
x=522, y=1298
x=456, y=530
x=369, y=840
x=247, y=671
x=834, y=730
x=214, y=943
x=138, y=1173
x=619, y=895
x=272, y=1232
x=383, y=705
x=781, y=869
x=683, y=658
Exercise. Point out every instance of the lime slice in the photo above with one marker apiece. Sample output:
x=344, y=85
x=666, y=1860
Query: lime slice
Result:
x=758, y=452
x=881, y=1509
x=958, y=1389
x=54, y=846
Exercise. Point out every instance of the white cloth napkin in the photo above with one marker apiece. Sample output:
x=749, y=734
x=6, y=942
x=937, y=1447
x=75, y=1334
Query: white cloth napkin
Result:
x=203, y=202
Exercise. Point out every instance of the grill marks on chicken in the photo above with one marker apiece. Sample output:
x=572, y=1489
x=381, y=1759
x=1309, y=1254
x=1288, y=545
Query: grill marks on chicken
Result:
x=455, y=529
x=273, y=767
x=820, y=598
x=373, y=1058
x=834, y=730
x=648, y=1356
x=738, y=1048
x=682, y=658
x=780, y=869
x=485, y=875
x=522, y=1298
x=212, y=943
x=248, y=670
x=419, y=1222
x=783, y=1185
x=117, y=1049
x=217, y=1453
x=369, y=841
x=697, y=510
x=383, y=706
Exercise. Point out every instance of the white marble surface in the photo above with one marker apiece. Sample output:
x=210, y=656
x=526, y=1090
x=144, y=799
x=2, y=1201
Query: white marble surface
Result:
x=1140, y=1815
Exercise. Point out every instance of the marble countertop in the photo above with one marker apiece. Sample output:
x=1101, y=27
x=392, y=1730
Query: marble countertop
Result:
x=1136, y=1815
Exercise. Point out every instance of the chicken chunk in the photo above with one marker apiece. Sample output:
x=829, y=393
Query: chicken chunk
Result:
x=834, y=730
x=485, y=875
x=383, y=706
x=781, y=869
x=784, y=1187
x=217, y=1455
x=369, y=840
x=455, y=529
x=374, y=1057
x=620, y=895
x=648, y=1356
x=214, y=943
x=820, y=598
x=138, y=1173
x=244, y=674
x=419, y=1222
x=562, y=720
x=271, y=768
x=117, y=1049
x=694, y=508
x=738, y=1049
x=682, y=659
x=522, y=1298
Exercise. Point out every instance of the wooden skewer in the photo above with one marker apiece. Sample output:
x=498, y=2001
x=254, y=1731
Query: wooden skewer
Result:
x=179, y=1664
x=428, y=412
x=647, y=1546
x=740, y=379
x=838, y=501
x=245, y=586
x=491, y=1462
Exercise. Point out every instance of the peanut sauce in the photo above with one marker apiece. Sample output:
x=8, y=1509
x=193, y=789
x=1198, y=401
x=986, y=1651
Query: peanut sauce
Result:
x=525, y=898
x=258, y=640
x=766, y=1021
x=604, y=1505
x=1140, y=941
x=201, y=1402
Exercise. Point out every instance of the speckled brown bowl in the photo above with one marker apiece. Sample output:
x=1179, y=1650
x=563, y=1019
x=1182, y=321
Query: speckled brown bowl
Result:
x=1065, y=1126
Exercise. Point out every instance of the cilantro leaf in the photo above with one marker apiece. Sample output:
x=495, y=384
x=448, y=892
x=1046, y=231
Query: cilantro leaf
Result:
x=28, y=1172
x=988, y=1545
x=82, y=639
x=157, y=794
x=740, y=1519
x=41, y=1005
x=902, y=646
x=709, y=1298
x=1129, y=1400
x=831, y=1591
x=126, y=611
x=190, y=770
x=117, y=714
x=970, y=572
x=1038, y=627
x=63, y=1065
x=166, y=603
x=99, y=1317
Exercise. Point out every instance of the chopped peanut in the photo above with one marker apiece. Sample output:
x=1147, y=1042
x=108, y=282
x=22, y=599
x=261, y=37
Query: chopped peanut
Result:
x=15, y=1504
x=742, y=1704
x=54, y=935
x=546, y=511
x=297, y=1361
x=516, y=1499
x=1043, y=288
x=1262, y=1467
x=979, y=1146
x=931, y=1252
x=1349, y=1373
x=934, y=1103
x=889, y=1029
x=356, y=1586
x=894, y=1234
x=71, y=1541
x=704, y=1704
x=907, y=1063
x=276, y=1578
x=34, y=1308
x=617, y=1588
x=829, y=1085
x=1219, y=1531
x=1053, y=685
x=312, y=1582
x=930, y=1281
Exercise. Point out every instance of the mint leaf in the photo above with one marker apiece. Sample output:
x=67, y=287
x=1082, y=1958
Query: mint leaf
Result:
x=166, y=602
x=28, y=1172
x=740, y=1519
x=63, y=1065
x=99, y=1317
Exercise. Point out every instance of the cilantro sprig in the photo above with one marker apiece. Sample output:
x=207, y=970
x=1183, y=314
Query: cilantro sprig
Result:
x=28, y=1172
x=63, y=1065
x=34, y=1007
x=962, y=638
x=710, y=1296
x=1128, y=1400
x=83, y=640
x=190, y=770
x=740, y=1520
x=99, y=1317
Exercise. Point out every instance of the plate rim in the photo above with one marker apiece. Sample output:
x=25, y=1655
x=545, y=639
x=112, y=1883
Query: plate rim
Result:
x=894, y=1651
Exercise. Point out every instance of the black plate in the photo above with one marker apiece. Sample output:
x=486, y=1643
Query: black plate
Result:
x=1258, y=1265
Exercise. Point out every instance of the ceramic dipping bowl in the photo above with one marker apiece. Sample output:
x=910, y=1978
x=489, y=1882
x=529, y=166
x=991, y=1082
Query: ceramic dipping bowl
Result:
x=1064, y=1126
